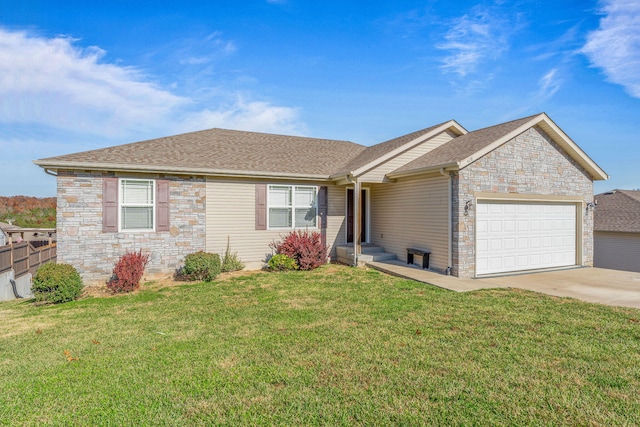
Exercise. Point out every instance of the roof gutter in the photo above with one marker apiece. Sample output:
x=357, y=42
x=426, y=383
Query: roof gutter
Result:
x=118, y=167
x=421, y=171
x=410, y=144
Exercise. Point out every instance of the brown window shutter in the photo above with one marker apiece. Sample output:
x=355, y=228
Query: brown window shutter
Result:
x=261, y=206
x=110, y=205
x=323, y=206
x=162, y=205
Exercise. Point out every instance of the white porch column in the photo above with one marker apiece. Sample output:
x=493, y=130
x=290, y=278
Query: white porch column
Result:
x=357, y=221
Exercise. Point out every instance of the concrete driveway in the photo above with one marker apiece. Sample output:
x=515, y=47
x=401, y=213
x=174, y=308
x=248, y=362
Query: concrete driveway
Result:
x=610, y=287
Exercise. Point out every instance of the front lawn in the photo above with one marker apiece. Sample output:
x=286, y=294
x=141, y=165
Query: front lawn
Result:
x=336, y=346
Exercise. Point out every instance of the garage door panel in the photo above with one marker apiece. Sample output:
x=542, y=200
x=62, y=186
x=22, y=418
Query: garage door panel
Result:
x=524, y=236
x=523, y=243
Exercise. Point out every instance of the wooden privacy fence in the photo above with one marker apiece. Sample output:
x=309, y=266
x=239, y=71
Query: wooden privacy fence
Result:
x=26, y=257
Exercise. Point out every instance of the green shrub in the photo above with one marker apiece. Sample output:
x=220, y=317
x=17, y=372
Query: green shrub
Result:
x=56, y=283
x=201, y=266
x=230, y=261
x=282, y=262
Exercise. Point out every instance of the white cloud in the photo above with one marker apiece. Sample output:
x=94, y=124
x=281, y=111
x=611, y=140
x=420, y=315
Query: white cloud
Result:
x=615, y=45
x=473, y=38
x=548, y=85
x=247, y=115
x=198, y=51
x=53, y=82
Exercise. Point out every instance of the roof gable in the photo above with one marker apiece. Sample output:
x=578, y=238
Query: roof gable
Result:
x=377, y=154
x=218, y=151
x=618, y=211
x=464, y=150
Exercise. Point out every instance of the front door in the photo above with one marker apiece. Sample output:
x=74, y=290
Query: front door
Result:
x=363, y=219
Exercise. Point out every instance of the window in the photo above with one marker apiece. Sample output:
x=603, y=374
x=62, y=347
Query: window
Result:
x=137, y=204
x=292, y=206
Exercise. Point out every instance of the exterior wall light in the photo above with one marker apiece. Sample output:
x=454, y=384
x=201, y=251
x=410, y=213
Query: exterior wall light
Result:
x=467, y=207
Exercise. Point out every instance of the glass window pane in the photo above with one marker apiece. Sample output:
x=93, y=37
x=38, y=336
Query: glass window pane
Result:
x=306, y=217
x=137, y=192
x=280, y=217
x=279, y=195
x=137, y=218
x=305, y=196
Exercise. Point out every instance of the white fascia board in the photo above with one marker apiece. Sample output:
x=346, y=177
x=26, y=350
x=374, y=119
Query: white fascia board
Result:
x=431, y=169
x=497, y=143
x=556, y=133
x=114, y=167
x=574, y=150
x=450, y=124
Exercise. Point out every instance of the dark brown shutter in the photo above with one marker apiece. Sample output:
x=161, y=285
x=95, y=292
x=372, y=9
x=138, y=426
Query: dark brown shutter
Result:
x=110, y=205
x=261, y=206
x=162, y=205
x=322, y=206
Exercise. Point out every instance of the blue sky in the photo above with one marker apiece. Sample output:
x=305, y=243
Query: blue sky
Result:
x=76, y=76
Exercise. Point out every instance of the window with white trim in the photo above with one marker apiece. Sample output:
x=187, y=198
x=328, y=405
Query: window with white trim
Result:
x=137, y=204
x=292, y=206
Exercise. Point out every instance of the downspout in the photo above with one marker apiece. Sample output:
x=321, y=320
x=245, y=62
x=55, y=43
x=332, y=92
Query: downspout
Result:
x=15, y=289
x=449, y=220
x=50, y=172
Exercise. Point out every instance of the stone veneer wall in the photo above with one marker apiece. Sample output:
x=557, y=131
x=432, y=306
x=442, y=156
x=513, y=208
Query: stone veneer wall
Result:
x=531, y=163
x=82, y=243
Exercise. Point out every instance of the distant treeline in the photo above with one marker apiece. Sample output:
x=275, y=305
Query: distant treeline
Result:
x=29, y=212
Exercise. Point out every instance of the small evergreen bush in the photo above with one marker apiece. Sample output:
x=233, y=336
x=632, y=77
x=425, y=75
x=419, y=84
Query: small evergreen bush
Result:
x=304, y=247
x=201, y=266
x=56, y=283
x=230, y=261
x=281, y=262
x=128, y=272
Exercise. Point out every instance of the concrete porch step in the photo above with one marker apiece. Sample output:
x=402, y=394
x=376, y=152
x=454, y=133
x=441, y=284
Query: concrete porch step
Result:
x=378, y=256
x=369, y=253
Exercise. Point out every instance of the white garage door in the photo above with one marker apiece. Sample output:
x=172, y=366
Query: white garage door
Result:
x=524, y=236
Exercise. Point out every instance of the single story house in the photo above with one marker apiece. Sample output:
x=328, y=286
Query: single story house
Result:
x=616, y=230
x=510, y=197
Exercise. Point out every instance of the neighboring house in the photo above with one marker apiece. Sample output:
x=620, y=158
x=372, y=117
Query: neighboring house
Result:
x=506, y=198
x=617, y=230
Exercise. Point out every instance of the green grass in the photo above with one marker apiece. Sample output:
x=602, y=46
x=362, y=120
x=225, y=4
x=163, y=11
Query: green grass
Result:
x=336, y=346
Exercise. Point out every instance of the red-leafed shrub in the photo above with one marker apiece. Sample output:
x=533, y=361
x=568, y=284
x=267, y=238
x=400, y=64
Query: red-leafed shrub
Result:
x=128, y=272
x=304, y=247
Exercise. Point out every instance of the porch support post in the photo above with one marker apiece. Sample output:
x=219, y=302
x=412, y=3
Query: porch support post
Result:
x=357, y=214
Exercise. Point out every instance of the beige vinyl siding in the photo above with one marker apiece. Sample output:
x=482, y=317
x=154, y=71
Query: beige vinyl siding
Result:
x=412, y=213
x=231, y=212
x=617, y=251
x=378, y=174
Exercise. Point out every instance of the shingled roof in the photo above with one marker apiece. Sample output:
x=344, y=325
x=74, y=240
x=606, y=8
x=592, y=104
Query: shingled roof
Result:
x=218, y=151
x=618, y=210
x=374, y=152
x=462, y=147
x=239, y=153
